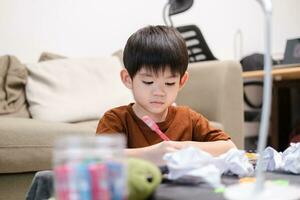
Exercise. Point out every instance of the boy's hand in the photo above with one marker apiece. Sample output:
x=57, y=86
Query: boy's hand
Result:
x=154, y=153
x=157, y=151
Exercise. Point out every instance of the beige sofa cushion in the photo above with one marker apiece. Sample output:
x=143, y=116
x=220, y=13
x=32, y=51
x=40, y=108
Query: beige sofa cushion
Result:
x=70, y=90
x=45, y=56
x=27, y=144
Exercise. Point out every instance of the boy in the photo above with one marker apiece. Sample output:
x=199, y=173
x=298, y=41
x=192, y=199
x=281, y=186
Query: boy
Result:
x=156, y=59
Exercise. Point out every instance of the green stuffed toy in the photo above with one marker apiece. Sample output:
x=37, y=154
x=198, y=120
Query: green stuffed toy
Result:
x=139, y=171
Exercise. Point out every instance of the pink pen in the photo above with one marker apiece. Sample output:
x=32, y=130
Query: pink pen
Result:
x=155, y=128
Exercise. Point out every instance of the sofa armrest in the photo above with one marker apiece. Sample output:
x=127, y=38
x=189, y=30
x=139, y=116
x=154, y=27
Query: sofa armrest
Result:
x=215, y=89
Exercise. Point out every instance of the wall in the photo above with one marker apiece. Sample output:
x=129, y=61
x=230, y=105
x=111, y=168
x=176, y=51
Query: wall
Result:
x=79, y=28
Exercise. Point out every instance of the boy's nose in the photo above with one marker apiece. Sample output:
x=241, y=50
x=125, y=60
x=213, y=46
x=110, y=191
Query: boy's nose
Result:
x=158, y=91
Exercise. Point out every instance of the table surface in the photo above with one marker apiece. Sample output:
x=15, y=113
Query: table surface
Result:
x=42, y=187
x=279, y=72
x=167, y=191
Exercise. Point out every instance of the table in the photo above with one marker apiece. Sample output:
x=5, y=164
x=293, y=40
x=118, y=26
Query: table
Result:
x=42, y=187
x=168, y=191
x=286, y=80
x=279, y=72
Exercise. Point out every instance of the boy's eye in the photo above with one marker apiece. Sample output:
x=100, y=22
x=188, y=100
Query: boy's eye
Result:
x=170, y=84
x=148, y=82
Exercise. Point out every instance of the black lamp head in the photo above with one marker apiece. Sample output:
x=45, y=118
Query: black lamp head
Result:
x=179, y=6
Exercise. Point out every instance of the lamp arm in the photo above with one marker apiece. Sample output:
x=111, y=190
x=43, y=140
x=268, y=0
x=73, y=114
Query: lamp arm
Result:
x=166, y=14
x=266, y=5
x=267, y=95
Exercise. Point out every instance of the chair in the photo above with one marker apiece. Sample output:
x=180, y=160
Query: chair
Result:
x=247, y=99
x=252, y=95
x=252, y=112
x=198, y=49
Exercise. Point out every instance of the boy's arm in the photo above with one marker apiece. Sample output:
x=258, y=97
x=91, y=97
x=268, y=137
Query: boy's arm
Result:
x=215, y=141
x=154, y=153
x=215, y=148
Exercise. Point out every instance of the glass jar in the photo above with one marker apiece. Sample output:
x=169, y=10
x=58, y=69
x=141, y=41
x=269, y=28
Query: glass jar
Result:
x=90, y=168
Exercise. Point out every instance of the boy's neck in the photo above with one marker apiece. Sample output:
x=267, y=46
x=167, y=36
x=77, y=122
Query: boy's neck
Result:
x=141, y=112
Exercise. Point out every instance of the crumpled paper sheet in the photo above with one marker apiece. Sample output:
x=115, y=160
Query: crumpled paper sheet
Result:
x=192, y=162
x=288, y=161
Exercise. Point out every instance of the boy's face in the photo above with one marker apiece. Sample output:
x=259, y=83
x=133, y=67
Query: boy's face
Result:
x=154, y=93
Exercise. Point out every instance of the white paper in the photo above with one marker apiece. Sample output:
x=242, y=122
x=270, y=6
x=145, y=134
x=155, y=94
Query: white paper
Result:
x=193, y=162
x=234, y=161
x=272, y=160
x=288, y=161
x=291, y=158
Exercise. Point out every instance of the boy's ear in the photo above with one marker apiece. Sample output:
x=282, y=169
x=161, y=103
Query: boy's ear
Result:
x=183, y=80
x=126, y=79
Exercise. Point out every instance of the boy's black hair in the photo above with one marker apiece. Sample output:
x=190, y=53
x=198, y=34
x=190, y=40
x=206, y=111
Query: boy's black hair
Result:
x=156, y=47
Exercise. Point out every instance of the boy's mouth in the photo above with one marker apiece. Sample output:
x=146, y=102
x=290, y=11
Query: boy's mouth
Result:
x=156, y=102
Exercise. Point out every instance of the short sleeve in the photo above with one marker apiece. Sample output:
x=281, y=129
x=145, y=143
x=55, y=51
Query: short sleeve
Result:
x=110, y=123
x=203, y=132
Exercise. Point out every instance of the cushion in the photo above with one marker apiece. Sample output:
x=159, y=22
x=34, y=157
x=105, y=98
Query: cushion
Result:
x=71, y=90
x=45, y=56
x=119, y=55
x=26, y=144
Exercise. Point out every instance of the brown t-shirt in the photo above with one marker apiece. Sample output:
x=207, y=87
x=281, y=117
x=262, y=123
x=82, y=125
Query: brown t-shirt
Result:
x=181, y=124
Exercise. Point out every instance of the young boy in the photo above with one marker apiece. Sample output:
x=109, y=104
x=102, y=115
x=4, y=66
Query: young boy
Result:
x=156, y=59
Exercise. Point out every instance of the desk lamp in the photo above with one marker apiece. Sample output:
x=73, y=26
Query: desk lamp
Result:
x=258, y=190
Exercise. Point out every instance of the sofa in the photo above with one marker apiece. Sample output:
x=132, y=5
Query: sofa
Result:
x=215, y=89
